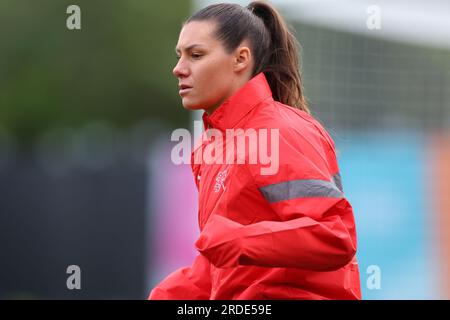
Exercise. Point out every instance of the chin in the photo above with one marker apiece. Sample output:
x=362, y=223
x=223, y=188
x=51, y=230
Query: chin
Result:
x=191, y=106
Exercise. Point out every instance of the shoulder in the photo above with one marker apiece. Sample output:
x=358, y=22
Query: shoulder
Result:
x=293, y=124
x=301, y=147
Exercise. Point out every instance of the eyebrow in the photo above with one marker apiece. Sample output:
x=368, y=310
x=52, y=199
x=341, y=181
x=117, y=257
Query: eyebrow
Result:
x=189, y=47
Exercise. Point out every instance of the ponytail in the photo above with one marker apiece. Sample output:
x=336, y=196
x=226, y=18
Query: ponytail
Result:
x=275, y=50
x=282, y=66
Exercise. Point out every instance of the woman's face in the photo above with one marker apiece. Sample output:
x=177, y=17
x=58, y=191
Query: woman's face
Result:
x=205, y=72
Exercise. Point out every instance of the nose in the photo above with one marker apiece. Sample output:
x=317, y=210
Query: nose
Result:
x=180, y=70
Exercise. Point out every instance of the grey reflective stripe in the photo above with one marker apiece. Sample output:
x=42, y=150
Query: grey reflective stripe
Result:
x=301, y=189
x=337, y=181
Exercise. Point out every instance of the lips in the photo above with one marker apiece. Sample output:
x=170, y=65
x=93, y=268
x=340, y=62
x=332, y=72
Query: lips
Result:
x=184, y=88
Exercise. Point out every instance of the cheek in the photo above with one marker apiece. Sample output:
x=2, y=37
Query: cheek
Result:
x=212, y=79
x=207, y=75
x=216, y=79
x=214, y=70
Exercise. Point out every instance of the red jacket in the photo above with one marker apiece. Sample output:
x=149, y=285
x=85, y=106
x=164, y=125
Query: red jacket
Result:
x=288, y=235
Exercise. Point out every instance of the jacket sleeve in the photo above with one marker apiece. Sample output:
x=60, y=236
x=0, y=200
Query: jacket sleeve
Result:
x=188, y=283
x=321, y=245
x=315, y=229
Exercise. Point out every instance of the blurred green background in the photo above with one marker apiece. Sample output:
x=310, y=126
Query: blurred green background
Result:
x=117, y=68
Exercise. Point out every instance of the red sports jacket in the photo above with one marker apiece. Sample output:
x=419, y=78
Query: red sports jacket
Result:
x=289, y=234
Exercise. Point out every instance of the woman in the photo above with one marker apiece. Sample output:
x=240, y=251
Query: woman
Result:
x=286, y=234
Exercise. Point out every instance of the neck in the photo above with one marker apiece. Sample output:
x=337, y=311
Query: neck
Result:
x=238, y=84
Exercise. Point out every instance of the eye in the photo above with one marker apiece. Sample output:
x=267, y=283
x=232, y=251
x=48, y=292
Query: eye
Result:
x=196, y=55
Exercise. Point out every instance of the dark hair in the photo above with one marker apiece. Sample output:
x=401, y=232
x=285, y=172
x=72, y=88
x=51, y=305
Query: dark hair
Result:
x=274, y=48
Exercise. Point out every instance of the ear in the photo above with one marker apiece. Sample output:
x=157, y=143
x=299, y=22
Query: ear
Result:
x=242, y=59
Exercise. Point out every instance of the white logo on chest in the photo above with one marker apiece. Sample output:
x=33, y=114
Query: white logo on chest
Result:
x=220, y=180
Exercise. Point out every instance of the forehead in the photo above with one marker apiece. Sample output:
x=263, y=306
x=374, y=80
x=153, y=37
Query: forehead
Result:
x=196, y=32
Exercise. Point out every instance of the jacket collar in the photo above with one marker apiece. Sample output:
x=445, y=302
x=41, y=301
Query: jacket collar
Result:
x=232, y=110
